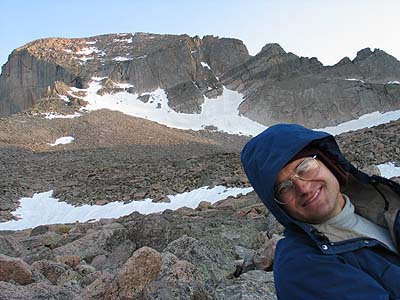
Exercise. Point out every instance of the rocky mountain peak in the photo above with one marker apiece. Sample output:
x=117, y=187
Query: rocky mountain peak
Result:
x=343, y=61
x=363, y=54
x=376, y=55
x=377, y=66
x=273, y=49
x=223, y=53
x=271, y=64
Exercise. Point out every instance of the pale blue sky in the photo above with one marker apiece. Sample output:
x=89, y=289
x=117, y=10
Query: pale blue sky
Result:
x=329, y=30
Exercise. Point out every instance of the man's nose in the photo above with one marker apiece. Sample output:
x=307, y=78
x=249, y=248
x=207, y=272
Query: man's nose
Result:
x=301, y=185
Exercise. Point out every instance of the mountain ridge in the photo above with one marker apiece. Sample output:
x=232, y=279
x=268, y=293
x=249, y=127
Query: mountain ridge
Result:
x=277, y=86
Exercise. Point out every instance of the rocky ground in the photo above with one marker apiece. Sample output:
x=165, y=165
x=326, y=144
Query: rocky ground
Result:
x=372, y=146
x=113, y=157
x=219, y=251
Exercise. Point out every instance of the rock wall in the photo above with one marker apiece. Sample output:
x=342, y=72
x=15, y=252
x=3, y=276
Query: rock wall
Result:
x=25, y=78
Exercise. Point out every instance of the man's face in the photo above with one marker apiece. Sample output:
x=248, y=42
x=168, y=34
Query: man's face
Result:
x=312, y=201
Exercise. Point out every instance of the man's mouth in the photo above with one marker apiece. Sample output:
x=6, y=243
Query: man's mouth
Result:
x=312, y=199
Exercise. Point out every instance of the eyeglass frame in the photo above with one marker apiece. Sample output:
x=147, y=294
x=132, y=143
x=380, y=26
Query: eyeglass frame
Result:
x=289, y=181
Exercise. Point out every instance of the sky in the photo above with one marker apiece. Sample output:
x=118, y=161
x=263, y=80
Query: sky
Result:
x=328, y=30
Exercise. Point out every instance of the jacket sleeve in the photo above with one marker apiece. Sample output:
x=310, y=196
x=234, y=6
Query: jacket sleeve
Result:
x=324, y=277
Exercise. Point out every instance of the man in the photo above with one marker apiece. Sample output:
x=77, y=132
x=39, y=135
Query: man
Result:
x=342, y=227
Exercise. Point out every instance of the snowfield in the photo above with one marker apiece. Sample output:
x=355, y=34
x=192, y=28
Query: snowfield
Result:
x=222, y=112
x=43, y=209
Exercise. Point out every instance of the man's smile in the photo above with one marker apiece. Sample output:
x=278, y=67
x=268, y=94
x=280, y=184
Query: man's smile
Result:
x=312, y=199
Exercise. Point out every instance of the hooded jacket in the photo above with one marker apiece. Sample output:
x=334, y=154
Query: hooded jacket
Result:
x=329, y=263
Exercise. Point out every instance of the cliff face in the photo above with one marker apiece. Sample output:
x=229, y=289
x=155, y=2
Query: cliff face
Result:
x=180, y=64
x=282, y=87
x=25, y=77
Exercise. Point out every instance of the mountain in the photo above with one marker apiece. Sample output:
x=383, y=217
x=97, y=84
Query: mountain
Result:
x=282, y=87
x=275, y=85
x=179, y=64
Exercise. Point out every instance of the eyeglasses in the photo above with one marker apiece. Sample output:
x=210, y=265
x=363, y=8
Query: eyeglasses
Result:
x=305, y=171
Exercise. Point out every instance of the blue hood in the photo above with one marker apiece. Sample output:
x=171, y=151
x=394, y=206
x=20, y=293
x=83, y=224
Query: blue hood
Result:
x=267, y=153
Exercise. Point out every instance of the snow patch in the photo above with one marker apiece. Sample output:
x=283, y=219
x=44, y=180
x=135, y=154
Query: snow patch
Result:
x=43, y=209
x=64, y=98
x=140, y=57
x=85, y=52
x=121, y=58
x=95, y=79
x=63, y=140
x=123, y=40
x=389, y=170
x=52, y=116
x=355, y=79
x=88, y=51
x=205, y=65
x=124, y=85
x=86, y=58
x=365, y=121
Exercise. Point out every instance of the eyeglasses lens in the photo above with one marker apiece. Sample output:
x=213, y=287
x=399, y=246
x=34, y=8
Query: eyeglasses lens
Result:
x=307, y=170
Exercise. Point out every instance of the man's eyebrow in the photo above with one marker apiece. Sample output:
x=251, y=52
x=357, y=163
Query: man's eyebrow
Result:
x=291, y=170
x=295, y=167
x=304, y=158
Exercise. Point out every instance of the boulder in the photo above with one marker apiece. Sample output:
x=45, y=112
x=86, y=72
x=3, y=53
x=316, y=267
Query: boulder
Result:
x=70, y=260
x=37, y=291
x=178, y=279
x=10, y=246
x=213, y=262
x=50, y=269
x=99, y=286
x=121, y=252
x=142, y=268
x=264, y=257
x=253, y=285
x=15, y=270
